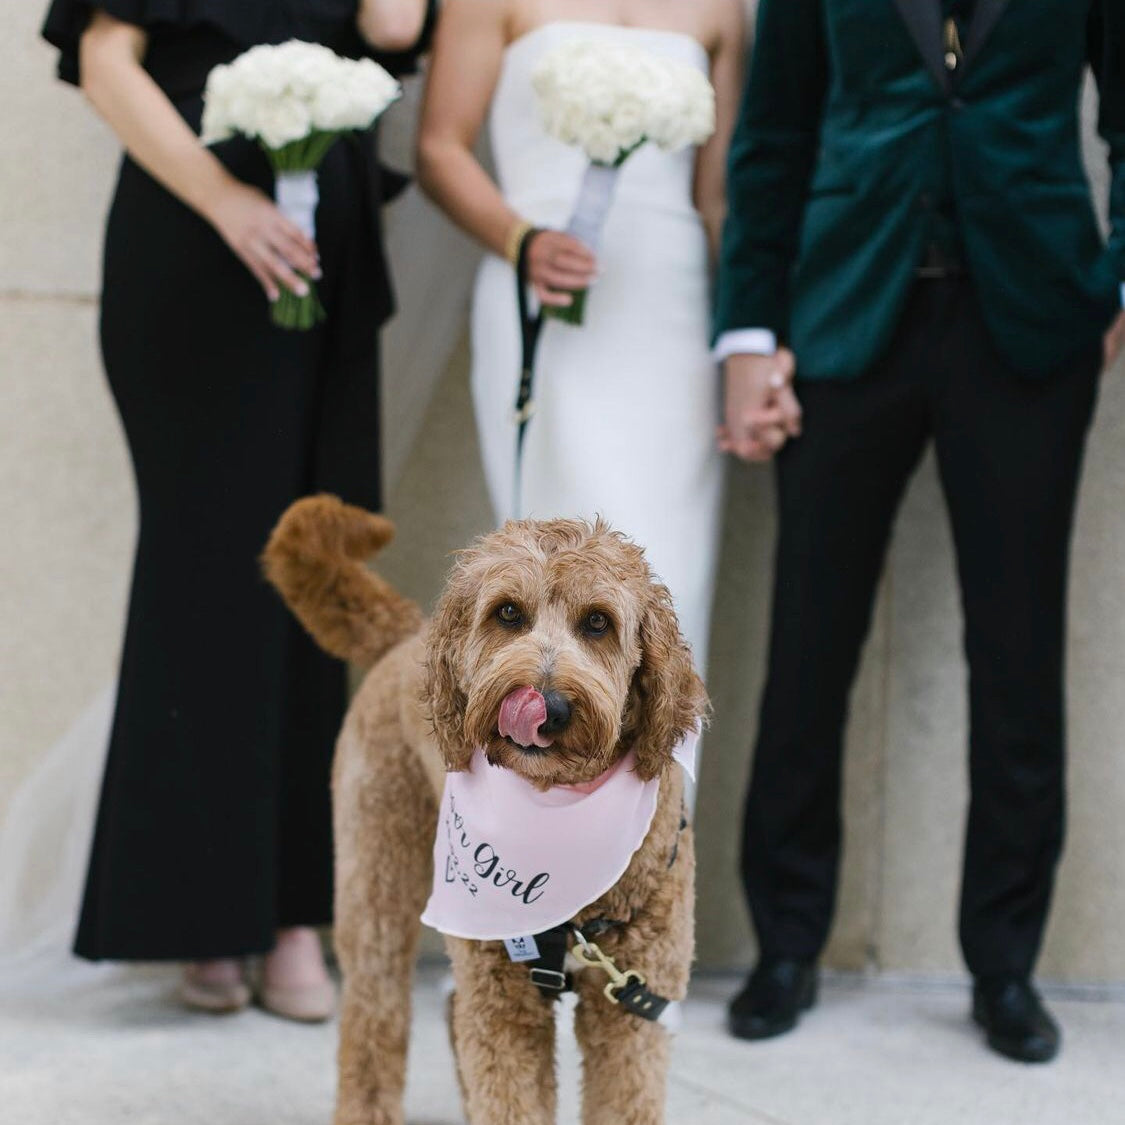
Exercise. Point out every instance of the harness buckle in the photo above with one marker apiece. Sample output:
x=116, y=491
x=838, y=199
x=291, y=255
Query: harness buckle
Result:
x=548, y=978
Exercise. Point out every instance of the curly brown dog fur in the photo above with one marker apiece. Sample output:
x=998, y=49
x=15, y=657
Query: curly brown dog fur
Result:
x=419, y=712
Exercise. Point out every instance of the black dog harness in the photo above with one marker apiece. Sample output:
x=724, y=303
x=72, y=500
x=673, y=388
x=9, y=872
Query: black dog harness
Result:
x=549, y=975
x=626, y=988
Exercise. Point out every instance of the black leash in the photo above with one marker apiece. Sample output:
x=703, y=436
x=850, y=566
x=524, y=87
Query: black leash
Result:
x=530, y=328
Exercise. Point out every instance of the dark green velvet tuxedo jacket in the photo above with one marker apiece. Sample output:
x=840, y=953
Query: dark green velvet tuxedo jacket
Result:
x=852, y=127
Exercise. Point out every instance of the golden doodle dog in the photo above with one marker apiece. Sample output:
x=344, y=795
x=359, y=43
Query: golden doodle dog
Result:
x=563, y=616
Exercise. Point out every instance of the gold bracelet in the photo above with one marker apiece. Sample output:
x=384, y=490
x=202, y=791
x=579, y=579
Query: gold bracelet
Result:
x=515, y=240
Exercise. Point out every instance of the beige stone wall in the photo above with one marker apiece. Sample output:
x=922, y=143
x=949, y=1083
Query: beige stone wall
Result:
x=69, y=524
x=66, y=493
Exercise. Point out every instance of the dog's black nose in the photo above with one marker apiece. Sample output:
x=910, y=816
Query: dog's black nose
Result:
x=558, y=712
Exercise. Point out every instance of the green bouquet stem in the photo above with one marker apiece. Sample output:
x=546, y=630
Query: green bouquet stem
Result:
x=574, y=313
x=295, y=312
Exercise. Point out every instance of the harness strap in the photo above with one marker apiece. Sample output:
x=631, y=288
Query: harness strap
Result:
x=676, y=844
x=547, y=972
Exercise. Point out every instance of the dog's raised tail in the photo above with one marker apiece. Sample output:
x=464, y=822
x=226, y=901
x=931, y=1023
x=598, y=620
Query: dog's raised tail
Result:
x=316, y=558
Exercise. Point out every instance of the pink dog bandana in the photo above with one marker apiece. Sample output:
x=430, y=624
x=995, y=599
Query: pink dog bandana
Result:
x=511, y=860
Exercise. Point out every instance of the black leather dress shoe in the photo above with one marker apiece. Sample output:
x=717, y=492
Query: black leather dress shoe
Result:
x=776, y=994
x=1015, y=1020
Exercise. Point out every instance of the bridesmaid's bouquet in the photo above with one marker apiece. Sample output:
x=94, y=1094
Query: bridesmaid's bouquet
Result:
x=609, y=99
x=296, y=99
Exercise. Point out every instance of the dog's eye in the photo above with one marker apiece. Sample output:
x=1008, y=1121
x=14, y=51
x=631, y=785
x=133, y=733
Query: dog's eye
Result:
x=596, y=623
x=509, y=614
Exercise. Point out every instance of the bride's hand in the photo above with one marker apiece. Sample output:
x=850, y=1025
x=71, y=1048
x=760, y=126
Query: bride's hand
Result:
x=268, y=244
x=558, y=265
x=761, y=411
x=1115, y=340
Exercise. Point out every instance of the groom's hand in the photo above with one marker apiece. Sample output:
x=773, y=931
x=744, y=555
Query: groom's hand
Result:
x=762, y=412
x=1115, y=340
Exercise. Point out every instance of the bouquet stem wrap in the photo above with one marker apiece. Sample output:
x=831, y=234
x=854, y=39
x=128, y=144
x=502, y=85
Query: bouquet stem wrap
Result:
x=595, y=195
x=297, y=195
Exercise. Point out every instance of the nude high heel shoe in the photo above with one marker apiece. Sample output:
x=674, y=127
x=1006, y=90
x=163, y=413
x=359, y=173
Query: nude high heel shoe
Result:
x=311, y=1003
x=214, y=996
x=304, y=991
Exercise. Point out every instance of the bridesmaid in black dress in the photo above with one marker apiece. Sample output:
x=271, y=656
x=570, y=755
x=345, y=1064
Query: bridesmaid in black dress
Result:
x=213, y=837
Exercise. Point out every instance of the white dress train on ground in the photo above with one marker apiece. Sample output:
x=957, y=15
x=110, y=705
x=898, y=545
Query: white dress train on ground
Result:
x=626, y=404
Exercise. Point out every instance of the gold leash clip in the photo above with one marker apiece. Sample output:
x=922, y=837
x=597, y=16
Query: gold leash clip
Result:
x=589, y=954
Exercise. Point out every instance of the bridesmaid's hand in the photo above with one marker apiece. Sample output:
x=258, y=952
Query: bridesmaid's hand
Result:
x=558, y=265
x=268, y=244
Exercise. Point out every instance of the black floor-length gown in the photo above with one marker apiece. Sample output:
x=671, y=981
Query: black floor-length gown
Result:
x=213, y=828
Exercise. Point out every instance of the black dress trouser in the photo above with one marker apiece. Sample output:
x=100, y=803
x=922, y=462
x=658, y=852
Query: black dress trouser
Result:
x=1009, y=453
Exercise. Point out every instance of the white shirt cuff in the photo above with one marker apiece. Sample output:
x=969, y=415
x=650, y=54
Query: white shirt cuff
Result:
x=744, y=341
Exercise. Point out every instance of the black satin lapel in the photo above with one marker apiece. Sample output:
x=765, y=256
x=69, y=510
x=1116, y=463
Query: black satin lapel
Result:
x=923, y=18
x=985, y=15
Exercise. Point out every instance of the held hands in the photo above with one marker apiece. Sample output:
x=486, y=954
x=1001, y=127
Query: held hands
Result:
x=558, y=265
x=271, y=247
x=762, y=412
x=1115, y=340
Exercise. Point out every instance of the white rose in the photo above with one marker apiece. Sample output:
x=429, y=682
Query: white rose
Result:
x=601, y=143
x=629, y=121
x=332, y=108
x=607, y=98
x=284, y=121
x=281, y=93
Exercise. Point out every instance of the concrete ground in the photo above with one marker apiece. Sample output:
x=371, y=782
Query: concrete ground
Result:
x=113, y=1048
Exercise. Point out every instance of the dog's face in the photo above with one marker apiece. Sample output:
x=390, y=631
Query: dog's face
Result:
x=555, y=651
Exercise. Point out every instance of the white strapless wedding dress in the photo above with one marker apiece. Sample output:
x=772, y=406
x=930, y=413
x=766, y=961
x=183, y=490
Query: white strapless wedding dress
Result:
x=626, y=405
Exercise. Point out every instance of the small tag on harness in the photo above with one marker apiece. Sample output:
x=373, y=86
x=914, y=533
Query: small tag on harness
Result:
x=522, y=948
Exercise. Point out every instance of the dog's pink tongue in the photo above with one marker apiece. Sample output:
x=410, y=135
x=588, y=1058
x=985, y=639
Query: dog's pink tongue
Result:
x=522, y=713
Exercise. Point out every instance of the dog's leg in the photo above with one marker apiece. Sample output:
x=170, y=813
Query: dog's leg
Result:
x=384, y=812
x=450, y=1028
x=504, y=1035
x=624, y=1057
x=624, y=1061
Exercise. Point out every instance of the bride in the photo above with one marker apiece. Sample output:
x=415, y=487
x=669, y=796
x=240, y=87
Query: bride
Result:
x=626, y=405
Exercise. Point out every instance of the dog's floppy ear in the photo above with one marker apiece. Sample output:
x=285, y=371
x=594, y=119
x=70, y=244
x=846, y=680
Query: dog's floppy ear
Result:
x=441, y=686
x=667, y=697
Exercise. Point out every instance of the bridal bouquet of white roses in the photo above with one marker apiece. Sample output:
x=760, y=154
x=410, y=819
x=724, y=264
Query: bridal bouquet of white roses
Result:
x=609, y=99
x=295, y=99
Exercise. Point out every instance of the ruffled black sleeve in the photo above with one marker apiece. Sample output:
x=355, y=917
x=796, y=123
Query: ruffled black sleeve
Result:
x=67, y=20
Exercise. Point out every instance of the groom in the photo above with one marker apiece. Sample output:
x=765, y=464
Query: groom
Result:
x=911, y=235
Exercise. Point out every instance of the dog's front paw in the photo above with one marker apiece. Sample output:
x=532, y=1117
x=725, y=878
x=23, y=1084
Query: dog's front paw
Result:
x=372, y=1114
